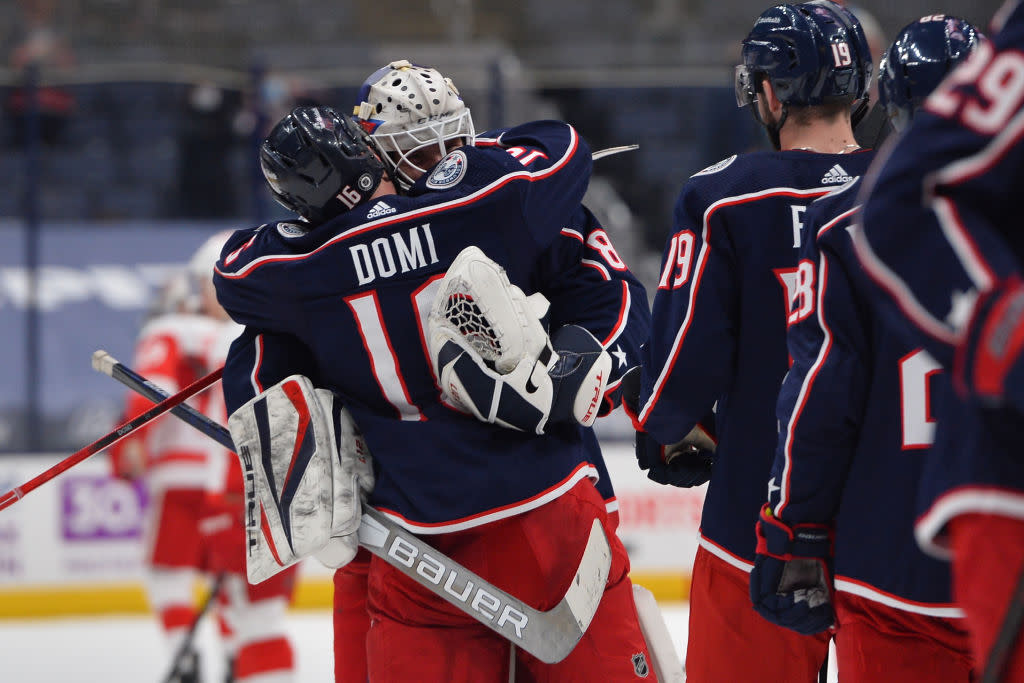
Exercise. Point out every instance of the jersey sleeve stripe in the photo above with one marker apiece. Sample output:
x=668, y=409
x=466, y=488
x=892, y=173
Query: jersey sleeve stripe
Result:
x=254, y=378
x=599, y=267
x=835, y=221
x=959, y=239
x=419, y=213
x=620, y=324
x=806, y=387
x=575, y=234
x=957, y=173
x=702, y=258
x=899, y=292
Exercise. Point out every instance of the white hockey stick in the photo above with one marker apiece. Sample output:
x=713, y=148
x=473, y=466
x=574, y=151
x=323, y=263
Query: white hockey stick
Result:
x=549, y=636
x=608, y=151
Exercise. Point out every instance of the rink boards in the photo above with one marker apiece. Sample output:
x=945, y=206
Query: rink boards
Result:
x=74, y=545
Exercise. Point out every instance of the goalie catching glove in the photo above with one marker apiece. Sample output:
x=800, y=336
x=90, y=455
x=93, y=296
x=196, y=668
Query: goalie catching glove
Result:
x=306, y=469
x=493, y=358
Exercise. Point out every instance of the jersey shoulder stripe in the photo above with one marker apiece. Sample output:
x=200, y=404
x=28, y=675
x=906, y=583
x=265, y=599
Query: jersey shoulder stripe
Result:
x=264, y=249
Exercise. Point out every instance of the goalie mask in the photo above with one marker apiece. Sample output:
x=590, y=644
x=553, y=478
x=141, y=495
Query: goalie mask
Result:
x=319, y=163
x=414, y=115
x=917, y=61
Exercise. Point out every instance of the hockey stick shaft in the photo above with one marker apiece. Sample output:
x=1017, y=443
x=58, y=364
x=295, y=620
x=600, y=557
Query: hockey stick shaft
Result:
x=165, y=404
x=186, y=643
x=549, y=636
x=608, y=151
x=1007, y=637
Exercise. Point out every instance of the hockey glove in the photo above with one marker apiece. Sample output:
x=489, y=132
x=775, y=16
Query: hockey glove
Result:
x=791, y=582
x=989, y=362
x=494, y=359
x=685, y=464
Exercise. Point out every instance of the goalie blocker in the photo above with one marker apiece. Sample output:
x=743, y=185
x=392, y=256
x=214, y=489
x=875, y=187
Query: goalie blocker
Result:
x=494, y=359
x=306, y=470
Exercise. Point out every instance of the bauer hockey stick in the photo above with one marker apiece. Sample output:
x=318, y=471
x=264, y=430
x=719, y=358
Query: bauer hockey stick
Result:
x=549, y=636
x=166, y=403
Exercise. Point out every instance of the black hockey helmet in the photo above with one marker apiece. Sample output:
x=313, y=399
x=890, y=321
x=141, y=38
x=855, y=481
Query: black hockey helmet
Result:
x=319, y=163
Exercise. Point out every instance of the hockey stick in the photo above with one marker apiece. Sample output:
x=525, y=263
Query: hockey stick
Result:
x=1006, y=639
x=549, y=636
x=186, y=643
x=608, y=151
x=166, y=403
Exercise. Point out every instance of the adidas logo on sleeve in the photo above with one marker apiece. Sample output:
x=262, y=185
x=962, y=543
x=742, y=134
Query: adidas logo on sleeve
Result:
x=379, y=209
x=835, y=176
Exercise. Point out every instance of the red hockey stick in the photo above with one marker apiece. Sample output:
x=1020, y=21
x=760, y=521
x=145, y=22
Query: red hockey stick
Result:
x=17, y=493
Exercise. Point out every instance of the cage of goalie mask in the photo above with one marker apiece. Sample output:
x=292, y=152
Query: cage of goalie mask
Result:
x=811, y=53
x=917, y=61
x=406, y=108
x=319, y=163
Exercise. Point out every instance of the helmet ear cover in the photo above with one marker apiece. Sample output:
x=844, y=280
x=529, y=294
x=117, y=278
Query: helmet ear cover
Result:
x=318, y=163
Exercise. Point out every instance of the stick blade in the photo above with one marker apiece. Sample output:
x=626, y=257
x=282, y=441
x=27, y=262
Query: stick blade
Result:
x=566, y=623
x=584, y=595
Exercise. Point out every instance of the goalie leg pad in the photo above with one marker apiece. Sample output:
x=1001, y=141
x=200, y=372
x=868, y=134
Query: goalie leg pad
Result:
x=353, y=480
x=297, y=491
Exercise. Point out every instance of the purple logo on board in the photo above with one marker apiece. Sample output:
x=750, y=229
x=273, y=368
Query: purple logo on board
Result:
x=95, y=508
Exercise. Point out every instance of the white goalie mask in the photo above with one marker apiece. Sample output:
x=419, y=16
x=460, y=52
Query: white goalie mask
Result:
x=413, y=115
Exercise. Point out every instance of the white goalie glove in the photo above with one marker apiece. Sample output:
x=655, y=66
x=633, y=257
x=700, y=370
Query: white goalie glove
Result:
x=493, y=358
x=306, y=470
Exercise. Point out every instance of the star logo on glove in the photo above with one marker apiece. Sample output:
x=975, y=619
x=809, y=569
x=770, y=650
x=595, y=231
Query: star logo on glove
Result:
x=620, y=355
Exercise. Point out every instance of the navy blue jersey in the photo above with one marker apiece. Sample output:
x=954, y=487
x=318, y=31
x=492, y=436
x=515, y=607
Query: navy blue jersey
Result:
x=719, y=322
x=940, y=226
x=855, y=424
x=353, y=295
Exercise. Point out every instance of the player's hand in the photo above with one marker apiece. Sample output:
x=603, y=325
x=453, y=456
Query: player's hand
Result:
x=989, y=362
x=791, y=582
x=681, y=464
x=684, y=464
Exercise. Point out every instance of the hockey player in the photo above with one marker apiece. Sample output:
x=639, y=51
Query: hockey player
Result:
x=515, y=507
x=411, y=141
x=720, y=315
x=195, y=488
x=940, y=238
x=854, y=404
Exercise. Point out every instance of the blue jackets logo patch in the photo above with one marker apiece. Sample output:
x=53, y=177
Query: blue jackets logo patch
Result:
x=449, y=171
x=290, y=230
